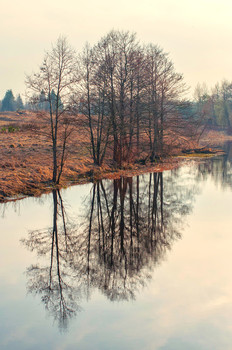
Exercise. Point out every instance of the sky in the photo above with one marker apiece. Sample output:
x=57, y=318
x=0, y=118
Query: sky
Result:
x=196, y=34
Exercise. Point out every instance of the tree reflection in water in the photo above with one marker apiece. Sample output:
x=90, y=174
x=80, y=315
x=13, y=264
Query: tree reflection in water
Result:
x=218, y=168
x=128, y=225
x=55, y=282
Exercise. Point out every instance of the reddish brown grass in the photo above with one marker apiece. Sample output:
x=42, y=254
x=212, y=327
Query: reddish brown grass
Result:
x=26, y=158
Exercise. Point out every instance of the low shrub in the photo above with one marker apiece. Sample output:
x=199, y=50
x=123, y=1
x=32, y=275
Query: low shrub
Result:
x=11, y=128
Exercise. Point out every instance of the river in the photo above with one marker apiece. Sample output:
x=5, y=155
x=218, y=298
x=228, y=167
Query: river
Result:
x=134, y=263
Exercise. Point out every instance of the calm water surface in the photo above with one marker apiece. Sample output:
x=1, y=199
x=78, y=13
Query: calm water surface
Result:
x=136, y=263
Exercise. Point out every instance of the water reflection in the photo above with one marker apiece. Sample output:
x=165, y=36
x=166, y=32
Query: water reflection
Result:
x=126, y=227
x=55, y=282
x=218, y=168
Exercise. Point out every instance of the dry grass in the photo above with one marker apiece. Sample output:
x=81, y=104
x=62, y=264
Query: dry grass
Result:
x=214, y=138
x=26, y=158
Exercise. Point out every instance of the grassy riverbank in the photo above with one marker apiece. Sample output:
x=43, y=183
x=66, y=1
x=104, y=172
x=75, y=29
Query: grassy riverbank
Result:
x=26, y=158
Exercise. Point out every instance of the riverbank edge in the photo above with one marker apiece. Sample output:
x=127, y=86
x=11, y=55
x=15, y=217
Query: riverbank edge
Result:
x=94, y=174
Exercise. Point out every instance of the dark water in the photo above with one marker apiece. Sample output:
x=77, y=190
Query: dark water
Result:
x=134, y=263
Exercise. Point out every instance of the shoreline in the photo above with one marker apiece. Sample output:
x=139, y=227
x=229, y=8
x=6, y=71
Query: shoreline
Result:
x=94, y=174
x=26, y=159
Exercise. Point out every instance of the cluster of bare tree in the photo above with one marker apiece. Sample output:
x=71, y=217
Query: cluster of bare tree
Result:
x=128, y=226
x=127, y=91
x=125, y=94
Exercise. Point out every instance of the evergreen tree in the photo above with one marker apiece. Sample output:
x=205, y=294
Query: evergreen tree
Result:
x=8, y=102
x=54, y=101
x=43, y=102
x=19, y=103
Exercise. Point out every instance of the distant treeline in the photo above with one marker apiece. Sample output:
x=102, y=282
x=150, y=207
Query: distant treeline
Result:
x=215, y=106
x=10, y=103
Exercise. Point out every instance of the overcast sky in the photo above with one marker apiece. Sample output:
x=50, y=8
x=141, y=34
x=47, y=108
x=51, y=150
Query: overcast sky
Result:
x=197, y=34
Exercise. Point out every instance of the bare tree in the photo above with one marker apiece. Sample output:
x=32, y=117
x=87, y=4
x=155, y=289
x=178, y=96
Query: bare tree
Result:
x=91, y=95
x=56, y=78
x=164, y=88
x=108, y=91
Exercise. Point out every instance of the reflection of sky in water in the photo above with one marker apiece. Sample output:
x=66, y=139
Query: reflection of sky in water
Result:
x=186, y=305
